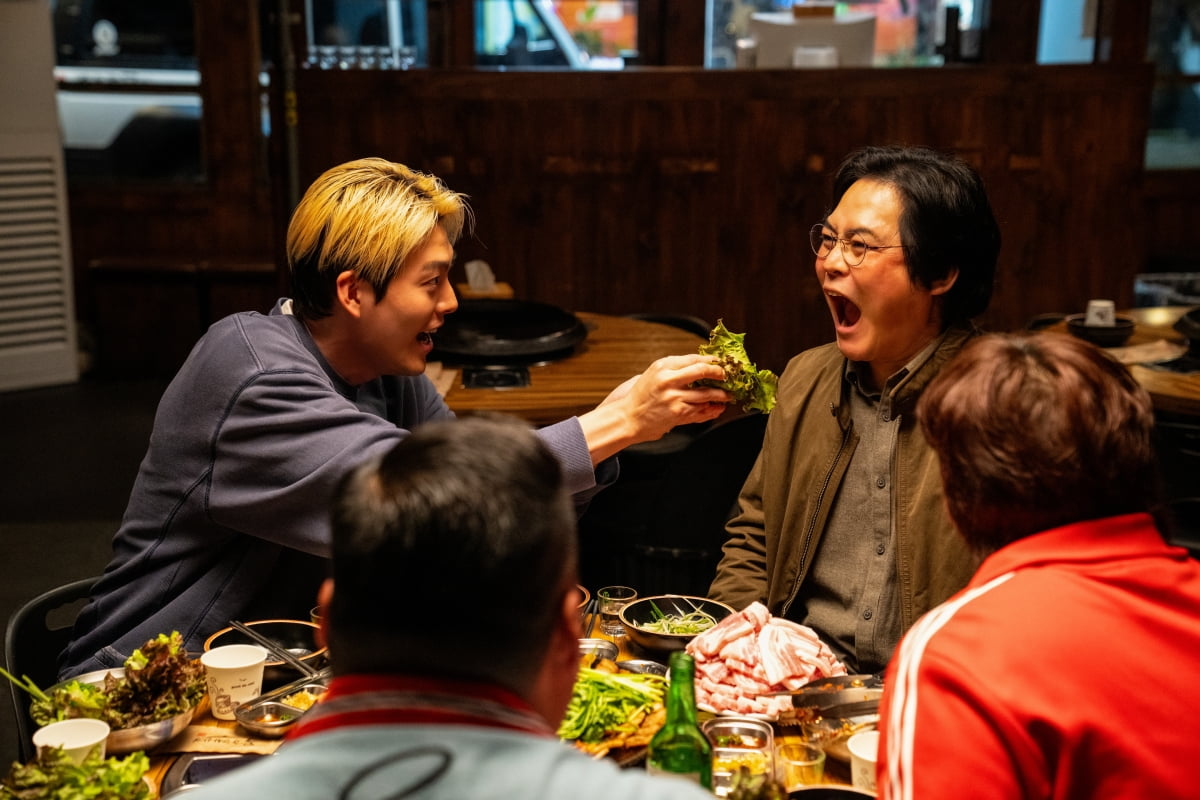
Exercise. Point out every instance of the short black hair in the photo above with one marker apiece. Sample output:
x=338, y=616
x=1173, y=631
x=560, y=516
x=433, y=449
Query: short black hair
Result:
x=463, y=524
x=946, y=221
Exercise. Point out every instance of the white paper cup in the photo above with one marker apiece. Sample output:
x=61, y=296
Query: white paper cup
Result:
x=77, y=737
x=1100, y=313
x=234, y=673
x=862, y=747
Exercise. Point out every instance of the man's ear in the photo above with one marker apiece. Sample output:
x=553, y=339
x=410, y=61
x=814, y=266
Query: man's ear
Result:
x=324, y=597
x=943, y=285
x=349, y=289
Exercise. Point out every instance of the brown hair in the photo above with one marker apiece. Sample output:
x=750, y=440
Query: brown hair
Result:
x=1037, y=431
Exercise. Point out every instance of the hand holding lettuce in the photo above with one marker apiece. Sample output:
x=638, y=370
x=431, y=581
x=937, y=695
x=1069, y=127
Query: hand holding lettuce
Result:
x=752, y=388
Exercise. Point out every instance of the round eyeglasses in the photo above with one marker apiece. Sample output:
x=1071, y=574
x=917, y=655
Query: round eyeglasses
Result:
x=854, y=250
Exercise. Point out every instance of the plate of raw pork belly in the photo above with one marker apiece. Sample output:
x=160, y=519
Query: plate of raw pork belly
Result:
x=750, y=663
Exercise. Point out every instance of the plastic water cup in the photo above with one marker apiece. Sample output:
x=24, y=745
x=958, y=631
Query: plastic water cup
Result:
x=77, y=737
x=234, y=673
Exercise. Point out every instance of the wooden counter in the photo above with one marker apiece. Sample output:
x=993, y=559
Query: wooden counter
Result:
x=1155, y=338
x=616, y=348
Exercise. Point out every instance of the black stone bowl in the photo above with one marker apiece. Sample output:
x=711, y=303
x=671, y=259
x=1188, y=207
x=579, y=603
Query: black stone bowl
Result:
x=642, y=611
x=1113, y=335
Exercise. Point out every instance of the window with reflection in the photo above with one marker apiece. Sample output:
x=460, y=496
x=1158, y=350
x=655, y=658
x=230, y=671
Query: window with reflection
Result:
x=128, y=100
x=1173, y=46
x=367, y=34
x=567, y=34
x=881, y=33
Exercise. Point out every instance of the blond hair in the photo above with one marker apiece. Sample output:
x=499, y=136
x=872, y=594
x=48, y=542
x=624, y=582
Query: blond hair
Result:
x=366, y=216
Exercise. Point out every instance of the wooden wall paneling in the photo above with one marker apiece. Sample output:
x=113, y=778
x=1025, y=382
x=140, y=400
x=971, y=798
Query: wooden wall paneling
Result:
x=1172, y=209
x=1011, y=36
x=598, y=195
x=1122, y=28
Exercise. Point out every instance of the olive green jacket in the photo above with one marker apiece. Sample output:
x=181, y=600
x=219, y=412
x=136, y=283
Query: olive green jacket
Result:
x=786, y=501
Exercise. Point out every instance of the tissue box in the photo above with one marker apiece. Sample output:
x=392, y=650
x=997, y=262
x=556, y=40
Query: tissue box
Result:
x=501, y=291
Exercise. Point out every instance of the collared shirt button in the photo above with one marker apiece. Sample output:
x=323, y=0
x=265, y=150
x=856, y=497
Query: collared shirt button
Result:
x=867, y=614
x=879, y=549
x=887, y=417
x=881, y=481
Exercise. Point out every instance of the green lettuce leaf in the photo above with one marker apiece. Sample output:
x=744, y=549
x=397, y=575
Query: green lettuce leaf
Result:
x=54, y=776
x=752, y=388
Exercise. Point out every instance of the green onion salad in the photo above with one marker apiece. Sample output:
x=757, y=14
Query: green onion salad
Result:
x=693, y=622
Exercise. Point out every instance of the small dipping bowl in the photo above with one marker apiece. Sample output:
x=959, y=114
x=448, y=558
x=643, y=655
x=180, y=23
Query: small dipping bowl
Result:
x=271, y=719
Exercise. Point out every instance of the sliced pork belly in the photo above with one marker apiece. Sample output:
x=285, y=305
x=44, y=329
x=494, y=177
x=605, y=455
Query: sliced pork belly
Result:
x=751, y=653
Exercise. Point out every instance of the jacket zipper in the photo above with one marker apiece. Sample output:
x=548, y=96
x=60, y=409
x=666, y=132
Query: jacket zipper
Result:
x=812, y=523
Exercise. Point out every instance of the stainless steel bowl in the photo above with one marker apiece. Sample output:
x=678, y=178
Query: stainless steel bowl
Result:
x=271, y=719
x=598, y=647
x=142, y=737
x=643, y=666
x=272, y=715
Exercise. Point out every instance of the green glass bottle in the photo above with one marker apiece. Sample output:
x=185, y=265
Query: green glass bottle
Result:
x=680, y=748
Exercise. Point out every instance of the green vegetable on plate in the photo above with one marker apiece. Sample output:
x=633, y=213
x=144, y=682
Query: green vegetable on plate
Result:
x=53, y=774
x=695, y=621
x=160, y=682
x=602, y=701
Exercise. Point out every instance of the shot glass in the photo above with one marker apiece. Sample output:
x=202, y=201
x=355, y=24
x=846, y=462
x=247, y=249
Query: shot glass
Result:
x=611, y=600
x=234, y=673
x=801, y=765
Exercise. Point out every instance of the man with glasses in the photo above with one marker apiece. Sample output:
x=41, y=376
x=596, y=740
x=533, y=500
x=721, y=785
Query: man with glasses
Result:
x=841, y=525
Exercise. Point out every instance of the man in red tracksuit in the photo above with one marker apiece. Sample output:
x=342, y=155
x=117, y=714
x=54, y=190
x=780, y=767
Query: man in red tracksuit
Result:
x=1067, y=668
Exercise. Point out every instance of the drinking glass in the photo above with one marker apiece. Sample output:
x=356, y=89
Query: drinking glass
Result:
x=611, y=600
x=801, y=765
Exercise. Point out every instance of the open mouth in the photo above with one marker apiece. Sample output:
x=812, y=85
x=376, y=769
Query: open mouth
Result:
x=425, y=337
x=845, y=312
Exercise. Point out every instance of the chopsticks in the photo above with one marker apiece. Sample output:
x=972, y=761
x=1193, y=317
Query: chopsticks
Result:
x=591, y=612
x=274, y=648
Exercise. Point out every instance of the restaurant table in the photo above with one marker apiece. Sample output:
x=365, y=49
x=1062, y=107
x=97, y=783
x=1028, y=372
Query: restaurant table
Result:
x=1155, y=339
x=616, y=348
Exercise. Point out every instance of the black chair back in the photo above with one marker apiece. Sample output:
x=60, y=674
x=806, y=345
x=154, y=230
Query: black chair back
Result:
x=661, y=529
x=37, y=633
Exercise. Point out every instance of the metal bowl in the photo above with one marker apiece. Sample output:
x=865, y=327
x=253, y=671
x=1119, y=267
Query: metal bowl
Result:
x=601, y=648
x=643, y=666
x=142, y=737
x=271, y=715
x=643, y=611
x=297, y=636
x=271, y=719
x=1113, y=335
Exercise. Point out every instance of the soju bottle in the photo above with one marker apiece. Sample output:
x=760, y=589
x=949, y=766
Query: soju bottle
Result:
x=680, y=748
